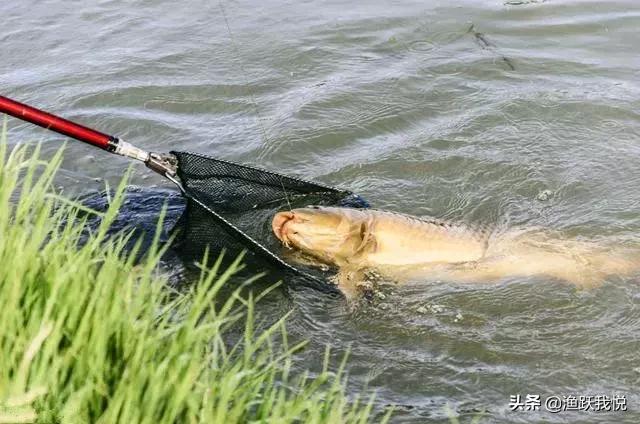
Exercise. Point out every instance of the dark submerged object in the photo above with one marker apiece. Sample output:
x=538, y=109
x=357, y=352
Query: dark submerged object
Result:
x=142, y=207
x=139, y=214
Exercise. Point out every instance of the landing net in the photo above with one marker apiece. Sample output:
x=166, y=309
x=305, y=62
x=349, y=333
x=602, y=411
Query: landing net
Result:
x=230, y=208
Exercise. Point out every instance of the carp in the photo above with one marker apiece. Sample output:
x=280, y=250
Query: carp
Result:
x=401, y=248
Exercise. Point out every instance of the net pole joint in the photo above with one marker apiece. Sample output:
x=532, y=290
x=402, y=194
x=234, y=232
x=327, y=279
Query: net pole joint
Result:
x=164, y=164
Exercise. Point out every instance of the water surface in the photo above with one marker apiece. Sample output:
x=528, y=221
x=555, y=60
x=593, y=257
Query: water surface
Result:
x=402, y=103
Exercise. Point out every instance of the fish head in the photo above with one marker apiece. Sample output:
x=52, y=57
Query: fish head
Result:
x=333, y=235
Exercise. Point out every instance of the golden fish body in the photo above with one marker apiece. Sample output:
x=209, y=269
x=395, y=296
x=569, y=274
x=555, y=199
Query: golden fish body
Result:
x=402, y=240
x=377, y=238
x=403, y=247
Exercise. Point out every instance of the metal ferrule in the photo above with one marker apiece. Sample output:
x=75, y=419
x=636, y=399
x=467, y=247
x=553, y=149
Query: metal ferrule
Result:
x=129, y=150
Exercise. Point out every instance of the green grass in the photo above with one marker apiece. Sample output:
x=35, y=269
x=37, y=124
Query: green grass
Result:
x=87, y=335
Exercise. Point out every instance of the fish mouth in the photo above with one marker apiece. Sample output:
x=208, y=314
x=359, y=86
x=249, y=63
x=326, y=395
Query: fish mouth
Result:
x=278, y=225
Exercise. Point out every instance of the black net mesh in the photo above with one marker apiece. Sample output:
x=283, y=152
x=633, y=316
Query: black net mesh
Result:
x=230, y=208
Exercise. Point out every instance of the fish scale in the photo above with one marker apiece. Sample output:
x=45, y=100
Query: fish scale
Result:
x=452, y=229
x=402, y=239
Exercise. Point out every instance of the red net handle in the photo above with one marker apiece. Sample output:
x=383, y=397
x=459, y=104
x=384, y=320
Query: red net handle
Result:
x=57, y=124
